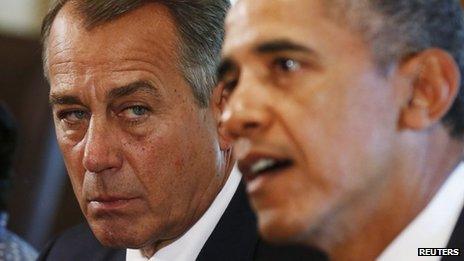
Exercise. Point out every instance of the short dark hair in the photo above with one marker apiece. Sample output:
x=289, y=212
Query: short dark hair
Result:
x=8, y=140
x=396, y=29
x=200, y=24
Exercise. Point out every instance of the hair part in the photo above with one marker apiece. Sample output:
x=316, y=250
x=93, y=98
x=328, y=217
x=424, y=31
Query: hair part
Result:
x=397, y=29
x=200, y=24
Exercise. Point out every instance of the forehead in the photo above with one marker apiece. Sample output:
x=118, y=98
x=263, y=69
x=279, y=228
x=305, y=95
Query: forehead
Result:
x=283, y=10
x=301, y=21
x=145, y=34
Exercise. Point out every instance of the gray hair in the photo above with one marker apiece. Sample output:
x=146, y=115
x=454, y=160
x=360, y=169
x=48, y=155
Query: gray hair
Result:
x=396, y=29
x=200, y=24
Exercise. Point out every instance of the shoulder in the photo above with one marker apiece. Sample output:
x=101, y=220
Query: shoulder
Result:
x=268, y=252
x=79, y=243
x=13, y=247
x=235, y=236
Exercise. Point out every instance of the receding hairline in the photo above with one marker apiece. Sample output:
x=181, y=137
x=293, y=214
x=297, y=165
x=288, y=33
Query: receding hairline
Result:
x=70, y=10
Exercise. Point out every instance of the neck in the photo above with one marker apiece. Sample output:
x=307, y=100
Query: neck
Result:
x=371, y=223
x=150, y=251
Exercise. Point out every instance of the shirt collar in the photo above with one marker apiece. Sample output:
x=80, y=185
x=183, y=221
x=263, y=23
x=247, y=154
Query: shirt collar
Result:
x=189, y=245
x=434, y=225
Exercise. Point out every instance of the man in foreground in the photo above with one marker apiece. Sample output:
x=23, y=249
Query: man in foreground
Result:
x=136, y=119
x=348, y=119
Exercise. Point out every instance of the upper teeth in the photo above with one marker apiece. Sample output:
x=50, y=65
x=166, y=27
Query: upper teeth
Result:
x=261, y=165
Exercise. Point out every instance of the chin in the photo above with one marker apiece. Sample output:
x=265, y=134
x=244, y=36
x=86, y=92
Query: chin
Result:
x=280, y=228
x=117, y=236
x=288, y=225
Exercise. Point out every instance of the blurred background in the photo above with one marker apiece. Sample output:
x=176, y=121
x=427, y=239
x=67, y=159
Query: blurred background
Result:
x=41, y=202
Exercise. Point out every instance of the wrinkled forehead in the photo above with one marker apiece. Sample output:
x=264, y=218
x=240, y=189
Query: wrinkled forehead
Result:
x=136, y=32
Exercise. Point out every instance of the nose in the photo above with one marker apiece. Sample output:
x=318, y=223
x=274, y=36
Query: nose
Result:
x=101, y=152
x=246, y=113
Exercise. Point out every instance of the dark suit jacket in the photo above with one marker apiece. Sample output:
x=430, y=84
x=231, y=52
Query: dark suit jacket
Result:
x=234, y=238
x=457, y=239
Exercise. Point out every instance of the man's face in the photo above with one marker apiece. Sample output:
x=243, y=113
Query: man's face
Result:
x=318, y=117
x=144, y=160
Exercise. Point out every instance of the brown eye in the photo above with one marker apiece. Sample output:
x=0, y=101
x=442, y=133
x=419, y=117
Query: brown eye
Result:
x=228, y=76
x=286, y=65
x=229, y=84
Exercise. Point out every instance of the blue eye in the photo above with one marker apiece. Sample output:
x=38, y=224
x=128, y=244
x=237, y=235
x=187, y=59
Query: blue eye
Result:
x=73, y=116
x=79, y=115
x=134, y=113
x=139, y=110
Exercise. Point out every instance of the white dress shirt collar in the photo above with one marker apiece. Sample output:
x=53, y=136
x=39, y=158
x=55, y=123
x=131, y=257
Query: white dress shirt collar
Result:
x=433, y=227
x=188, y=246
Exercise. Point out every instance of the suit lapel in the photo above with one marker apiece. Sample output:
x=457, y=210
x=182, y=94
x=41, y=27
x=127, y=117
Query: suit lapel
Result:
x=457, y=238
x=235, y=236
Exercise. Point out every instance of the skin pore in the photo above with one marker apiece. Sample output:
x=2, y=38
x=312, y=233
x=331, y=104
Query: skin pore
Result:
x=362, y=150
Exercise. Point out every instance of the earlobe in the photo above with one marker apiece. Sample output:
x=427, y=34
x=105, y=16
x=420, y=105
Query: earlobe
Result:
x=435, y=85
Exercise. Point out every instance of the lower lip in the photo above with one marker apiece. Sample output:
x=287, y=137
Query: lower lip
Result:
x=116, y=204
x=257, y=183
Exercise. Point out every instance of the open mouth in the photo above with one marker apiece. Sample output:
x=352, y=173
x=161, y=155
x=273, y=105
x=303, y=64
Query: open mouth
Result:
x=252, y=167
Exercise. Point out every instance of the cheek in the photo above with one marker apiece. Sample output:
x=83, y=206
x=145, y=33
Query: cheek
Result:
x=161, y=159
x=341, y=137
x=76, y=174
x=72, y=157
x=311, y=127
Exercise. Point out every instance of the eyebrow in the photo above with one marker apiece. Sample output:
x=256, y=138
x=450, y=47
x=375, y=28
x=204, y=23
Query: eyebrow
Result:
x=138, y=86
x=281, y=45
x=274, y=46
x=56, y=99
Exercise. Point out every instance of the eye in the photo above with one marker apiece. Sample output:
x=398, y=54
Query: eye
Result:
x=135, y=112
x=229, y=84
x=73, y=116
x=228, y=76
x=138, y=110
x=229, y=81
x=286, y=64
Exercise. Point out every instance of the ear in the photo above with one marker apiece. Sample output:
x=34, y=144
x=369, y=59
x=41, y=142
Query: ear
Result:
x=218, y=104
x=434, y=83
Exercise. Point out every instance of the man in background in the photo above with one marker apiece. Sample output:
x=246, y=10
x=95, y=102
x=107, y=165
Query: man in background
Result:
x=136, y=118
x=348, y=119
x=11, y=246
